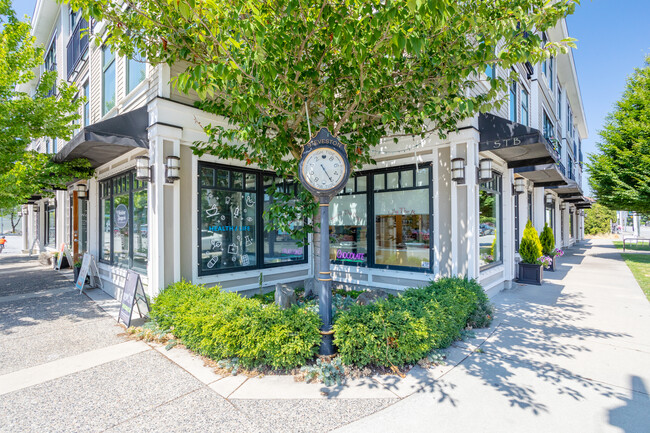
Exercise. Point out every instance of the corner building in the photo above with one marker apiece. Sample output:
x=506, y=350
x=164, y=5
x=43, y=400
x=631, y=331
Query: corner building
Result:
x=428, y=208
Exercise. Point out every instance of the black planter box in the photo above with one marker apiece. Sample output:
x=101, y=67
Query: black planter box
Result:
x=530, y=274
x=552, y=267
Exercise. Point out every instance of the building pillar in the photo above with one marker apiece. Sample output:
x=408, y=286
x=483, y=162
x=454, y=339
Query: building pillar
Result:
x=24, y=225
x=539, y=208
x=508, y=225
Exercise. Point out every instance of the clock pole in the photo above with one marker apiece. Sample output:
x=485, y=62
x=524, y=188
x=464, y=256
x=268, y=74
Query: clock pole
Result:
x=325, y=280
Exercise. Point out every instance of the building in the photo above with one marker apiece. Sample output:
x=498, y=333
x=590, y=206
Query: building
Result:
x=428, y=208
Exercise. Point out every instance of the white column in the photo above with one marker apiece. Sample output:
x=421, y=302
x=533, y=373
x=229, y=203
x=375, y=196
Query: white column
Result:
x=436, y=212
x=93, y=223
x=508, y=225
x=471, y=184
x=24, y=225
x=539, y=208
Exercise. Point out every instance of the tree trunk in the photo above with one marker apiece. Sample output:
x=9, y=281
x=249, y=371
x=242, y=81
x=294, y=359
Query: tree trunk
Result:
x=13, y=215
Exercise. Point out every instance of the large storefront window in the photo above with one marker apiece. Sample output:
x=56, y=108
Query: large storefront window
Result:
x=571, y=225
x=123, y=233
x=349, y=224
x=232, y=236
x=399, y=203
x=490, y=215
x=549, y=215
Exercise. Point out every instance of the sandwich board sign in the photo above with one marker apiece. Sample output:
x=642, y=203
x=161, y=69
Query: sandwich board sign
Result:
x=88, y=269
x=64, y=251
x=132, y=296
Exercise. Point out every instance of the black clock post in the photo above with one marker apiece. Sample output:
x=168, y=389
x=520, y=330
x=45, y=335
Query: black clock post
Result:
x=324, y=145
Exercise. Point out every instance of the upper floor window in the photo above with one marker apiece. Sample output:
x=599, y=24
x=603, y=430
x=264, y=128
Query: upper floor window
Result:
x=548, y=127
x=50, y=56
x=108, y=80
x=559, y=102
x=544, y=62
x=490, y=71
x=569, y=120
x=525, y=111
x=86, y=114
x=550, y=73
x=136, y=69
x=74, y=18
x=513, y=101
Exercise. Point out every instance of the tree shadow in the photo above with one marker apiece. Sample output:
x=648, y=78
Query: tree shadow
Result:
x=634, y=415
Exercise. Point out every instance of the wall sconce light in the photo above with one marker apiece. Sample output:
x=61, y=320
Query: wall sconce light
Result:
x=520, y=185
x=82, y=190
x=549, y=200
x=458, y=170
x=142, y=169
x=172, y=169
x=562, y=206
x=485, y=169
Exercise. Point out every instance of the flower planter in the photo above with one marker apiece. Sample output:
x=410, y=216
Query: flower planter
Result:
x=552, y=267
x=530, y=274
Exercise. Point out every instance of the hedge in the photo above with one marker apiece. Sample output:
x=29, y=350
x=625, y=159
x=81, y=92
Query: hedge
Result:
x=223, y=325
x=404, y=329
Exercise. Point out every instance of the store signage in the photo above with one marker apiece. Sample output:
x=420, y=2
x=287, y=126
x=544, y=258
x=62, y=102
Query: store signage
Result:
x=132, y=296
x=229, y=228
x=509, y=142
x=292, y=251
x=88, y=268
x=346, y=256
x=121, y=216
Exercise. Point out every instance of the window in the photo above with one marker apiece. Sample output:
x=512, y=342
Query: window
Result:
x=124, y=229
x=550, y=73
x=231, y=224
x=136, y=70
x=54, y=144
x=548, y=127
x=516, y=222
x=559, y=108
x=490, y=71
x=47, y=145
x=50, y=225
x=86, y=107
x=571, y=224
x=544, y=62
x=549, y=215
x=569, y=120
x=490, y=214
x=349, y=223
x=74, y=17
x=108, y=80
x=530, y=206
x=513, y=101
x=393, y=207
x=525, y=112
x=50, y=56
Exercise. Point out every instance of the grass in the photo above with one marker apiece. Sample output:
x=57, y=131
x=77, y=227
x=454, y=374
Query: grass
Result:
x=639, y=264
x=632, y=247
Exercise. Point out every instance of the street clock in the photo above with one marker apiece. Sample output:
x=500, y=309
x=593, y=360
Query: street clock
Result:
x=324, y=167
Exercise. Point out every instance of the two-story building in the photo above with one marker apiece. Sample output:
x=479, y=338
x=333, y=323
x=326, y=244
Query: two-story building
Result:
x=428, y=207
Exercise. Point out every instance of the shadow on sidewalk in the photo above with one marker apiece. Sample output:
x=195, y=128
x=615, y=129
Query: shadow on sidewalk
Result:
x=634, y=415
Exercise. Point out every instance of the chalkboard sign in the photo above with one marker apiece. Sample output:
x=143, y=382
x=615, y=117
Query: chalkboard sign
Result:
x=132, y=296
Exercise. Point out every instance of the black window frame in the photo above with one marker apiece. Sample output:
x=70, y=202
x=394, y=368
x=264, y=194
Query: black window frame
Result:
x=259, y=219
x=50, y=208
x=370, y=203
x=498, y=177
x=104, y=69
x=106, y=191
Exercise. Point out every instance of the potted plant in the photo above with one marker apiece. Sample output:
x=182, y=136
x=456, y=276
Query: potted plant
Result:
x=530, y=250
x=76, y=268
x=55, y=259
x=547, y=240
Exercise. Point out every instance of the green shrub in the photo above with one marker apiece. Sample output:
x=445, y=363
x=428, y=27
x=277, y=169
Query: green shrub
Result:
x=598, y=219
x=223, y=325
x=547, y=239
x=530, y=248
x=405, y=329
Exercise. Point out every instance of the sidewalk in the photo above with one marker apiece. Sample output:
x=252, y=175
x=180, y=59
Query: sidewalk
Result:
x=570, y=355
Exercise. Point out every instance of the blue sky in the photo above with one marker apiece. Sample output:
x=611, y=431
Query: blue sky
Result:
x=613, y=39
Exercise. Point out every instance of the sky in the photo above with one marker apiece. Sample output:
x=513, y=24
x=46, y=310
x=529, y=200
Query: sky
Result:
x=613, y=39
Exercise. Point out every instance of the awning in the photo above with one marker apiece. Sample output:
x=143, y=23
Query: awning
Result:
x=104, y=141
x=568, y=191
x=543, y=175
x=517, y=144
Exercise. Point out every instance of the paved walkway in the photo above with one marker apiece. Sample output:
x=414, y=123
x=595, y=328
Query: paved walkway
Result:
x=570, y=355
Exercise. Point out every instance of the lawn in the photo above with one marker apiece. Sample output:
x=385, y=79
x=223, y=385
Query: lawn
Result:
x=639, y=264
x=632, y=247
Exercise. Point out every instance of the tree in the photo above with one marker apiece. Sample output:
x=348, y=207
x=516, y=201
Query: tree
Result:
x=598, y=219
x=25, y=117
x=530, y=247
x=547, y=240
x=364, y=69
x=619, y=174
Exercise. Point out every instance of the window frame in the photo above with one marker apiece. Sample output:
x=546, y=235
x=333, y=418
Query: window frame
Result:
x=259, y=220
x=104, y=69
x=525, y=97
x=513, y=102
x=111, y=198
x=86, y=107
x=370, y=203
x=496, y=175
x=128, y=75
x=50, y=208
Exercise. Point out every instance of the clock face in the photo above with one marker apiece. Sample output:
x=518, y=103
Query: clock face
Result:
x=324, y=168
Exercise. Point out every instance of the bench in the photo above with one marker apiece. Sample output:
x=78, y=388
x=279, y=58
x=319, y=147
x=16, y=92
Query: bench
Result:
x=636, y=241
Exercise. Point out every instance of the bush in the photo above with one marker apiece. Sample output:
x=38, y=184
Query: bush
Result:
x=547, y=239
x=598, y=219
x=530, y=248
x=405, y=329
x=222, y=325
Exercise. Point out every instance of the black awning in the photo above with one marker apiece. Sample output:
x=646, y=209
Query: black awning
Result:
x=543, y=175
x=570, y=190
x=104, y=141
x=517, y=144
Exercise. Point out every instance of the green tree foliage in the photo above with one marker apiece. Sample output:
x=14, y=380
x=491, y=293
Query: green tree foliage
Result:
x=547, y=239
x=619, y=174
x=25, y=117
x=530, y=247
x=598, y=219
x=364, y=69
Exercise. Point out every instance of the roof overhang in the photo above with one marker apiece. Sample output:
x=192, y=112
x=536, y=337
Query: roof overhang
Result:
x=543, y=175
x=104, y=141
x=570, y=190
x=517, y=144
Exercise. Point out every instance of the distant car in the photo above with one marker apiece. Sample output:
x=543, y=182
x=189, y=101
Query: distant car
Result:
x=207, y=239
x=486, y=229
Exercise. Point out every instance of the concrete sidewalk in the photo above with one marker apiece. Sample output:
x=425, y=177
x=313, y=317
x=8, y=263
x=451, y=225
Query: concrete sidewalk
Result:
x=572, y=354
